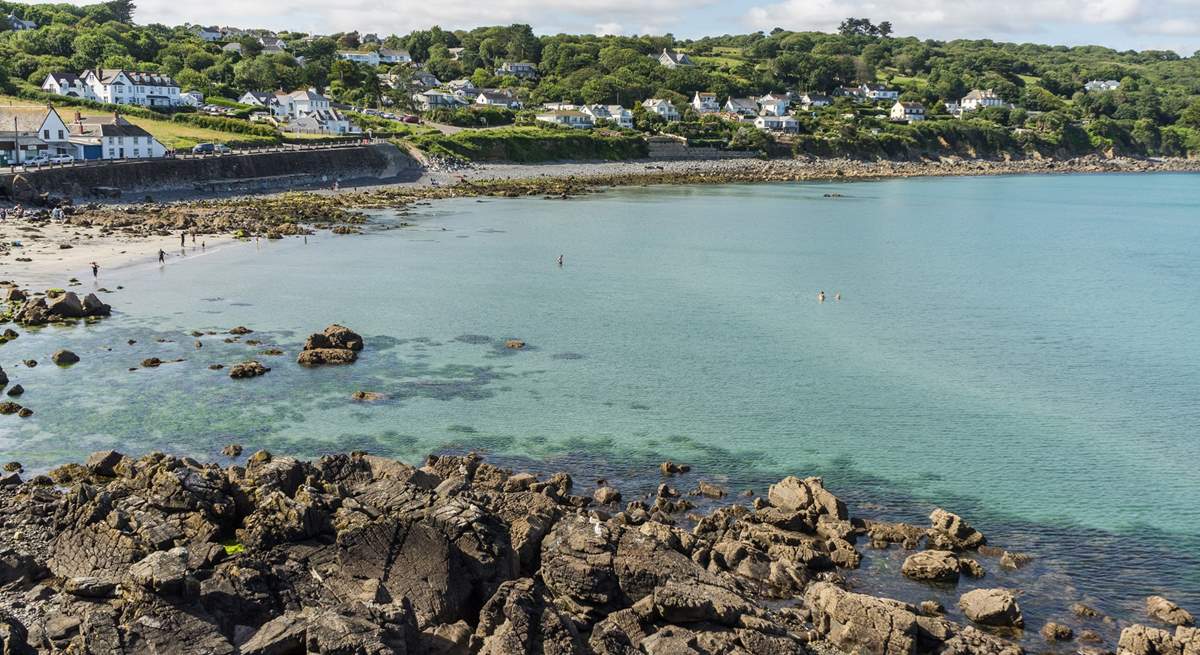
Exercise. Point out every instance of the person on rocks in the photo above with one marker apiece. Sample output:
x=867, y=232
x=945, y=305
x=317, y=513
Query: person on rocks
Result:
x=95, y=270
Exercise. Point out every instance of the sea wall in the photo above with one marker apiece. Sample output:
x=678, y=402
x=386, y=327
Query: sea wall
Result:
x=664, y=147
x=237, y=172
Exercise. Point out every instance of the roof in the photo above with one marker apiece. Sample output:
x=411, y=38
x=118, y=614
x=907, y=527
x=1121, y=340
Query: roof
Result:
x=656, y=102
x=565, y=112
x=875, y=87
x=677, y=58
x=94, y=126
x=388, y=52
x=69, y=79
x=912, y=105
x=306, y=94
x=108, y=75
x=774, y=96
x=262, y=96
x=497, y=95
x=816, y=96
x=742, y=102
x=977, y=94
x=29, y=120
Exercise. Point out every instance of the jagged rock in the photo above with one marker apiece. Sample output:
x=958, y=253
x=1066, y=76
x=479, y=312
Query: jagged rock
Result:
x=994, y=607
x=14, y=638
x=64, y=357
x=971, y=568
x=326, y=356
x=1189, y=638
x=447, y=639
x=1084, y=611
x=860, y=623
x=1161, y=609
x=808, y=496
x=3, y=379
x=93, y=306
x=514, y=344
x=104, y=462
x=7, y=408
x=315, y=630
x=1057, y=632
x=89, y=587
x=15, y=391
x=240, y=330
x=15, y=295
x=1144, y=640
x=232, y=450
x=336, y=337
x=164, y=572
x=65, y=305
x=249, y=369
x=520, y=619
x=932, y=566
x=32, y=312
x=606, y=495
x=708, y=490
x=950, y=532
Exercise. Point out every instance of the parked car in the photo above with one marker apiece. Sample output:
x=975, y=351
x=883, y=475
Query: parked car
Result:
x=210, y=149
x=62, y=159
x=40, y=160
x=412, y=119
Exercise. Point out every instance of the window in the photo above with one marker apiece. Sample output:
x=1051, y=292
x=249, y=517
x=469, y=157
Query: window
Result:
x=46, y=133
x=60, y=135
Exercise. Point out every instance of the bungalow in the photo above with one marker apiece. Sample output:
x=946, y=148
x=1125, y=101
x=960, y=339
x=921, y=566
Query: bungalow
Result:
x=774, y=104
x=370, y=58
x=848, y=92
x=706, y=103
x=908, y=111
x=322, y=121
x=616, y=114
x=433, y=99
x=274, y=43
x=661, y=107
x=568, y=117
x=978, y=99
x=497, y=98
x=769, y=123
x=20, y=24
x=426, y=79
x=26, y=132
x=815, y=100
x=878, y=92
x=112, y=137
x=744, y=107
x=66, y=84
x=390, y=56
x=521, y=69
x=673, y=59
x=191, y=98
x=462, y=87
x=1101, y=85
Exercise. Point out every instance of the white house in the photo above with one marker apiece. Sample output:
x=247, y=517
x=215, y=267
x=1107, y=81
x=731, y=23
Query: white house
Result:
x=815, y=100
x=497, y=98
x=191, y=98
x=66, y=84
x=673, y=59
x=26, y=132
x=1101, y=85
x=744, y=107
x=370, y=58
x=770, y=123
x=304, y=101
x=567, y=117
x=775, y=104
x=521, y=69
x=434, y=99
x=908, y=111
x=208, y=34
x=322, y=121
x=978, y=99
x=706, y=103
x=456, y=53
x=20, y=24
x=878, y=92
x=617, y=114
x=661, y=107
x=390, y=56
x=117, y=86
x=272, y=43
x=426, y=79
x=462, y=87
x=112, y=137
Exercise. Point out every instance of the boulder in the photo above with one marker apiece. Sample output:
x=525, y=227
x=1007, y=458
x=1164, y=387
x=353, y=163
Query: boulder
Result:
x=65, y=305
x=1143, y=640
x=1057, y=632
x=326, y=356
x=32, y=312
x=249, y=369
x=4, y=378
x=15, y=391
x=519, y=618
x=931, y=566
x=335, y=336
x=15, y=295
x=163, y=572
x=857, y=623
x=1161, y=609
x=606, y=495
x=64, y=358
x=93, y=306
x=808, y=496
x=104, y=462
x=87, y=586
x=950, y=532
x=994, y=607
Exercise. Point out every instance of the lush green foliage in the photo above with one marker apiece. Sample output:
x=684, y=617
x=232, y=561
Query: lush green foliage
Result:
x=533, y=144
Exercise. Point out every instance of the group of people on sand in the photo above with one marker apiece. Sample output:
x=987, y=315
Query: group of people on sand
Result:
x=821, y=296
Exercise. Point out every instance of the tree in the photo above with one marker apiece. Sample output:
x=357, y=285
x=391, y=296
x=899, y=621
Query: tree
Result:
x=121, y=10
x=1191, y=116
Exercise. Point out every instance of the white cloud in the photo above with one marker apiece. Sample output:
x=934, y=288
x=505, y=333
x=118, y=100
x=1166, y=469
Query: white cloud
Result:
x=608, y=29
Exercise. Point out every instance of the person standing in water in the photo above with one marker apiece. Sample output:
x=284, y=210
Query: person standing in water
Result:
x=838, y=296
x=162, y=256
x=820, y=296
x=560, y=261
x=95, y=270
x=182, y=237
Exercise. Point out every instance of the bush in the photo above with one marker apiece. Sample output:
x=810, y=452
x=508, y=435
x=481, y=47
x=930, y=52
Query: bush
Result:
x=474, y=116
x=533, y=144
x=223, y=124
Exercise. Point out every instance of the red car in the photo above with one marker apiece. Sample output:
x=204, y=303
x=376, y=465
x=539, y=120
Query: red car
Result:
x=411, y=119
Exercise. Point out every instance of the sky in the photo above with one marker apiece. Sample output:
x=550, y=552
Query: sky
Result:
x=1121, y=24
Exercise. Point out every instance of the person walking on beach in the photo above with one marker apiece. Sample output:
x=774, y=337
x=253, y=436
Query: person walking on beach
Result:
x=162, y=256
x=95, y=270
x=182, y=239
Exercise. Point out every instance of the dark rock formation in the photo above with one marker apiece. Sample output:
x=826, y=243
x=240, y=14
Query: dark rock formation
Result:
x=64, y=357
x=249, y=369
x=336, y=345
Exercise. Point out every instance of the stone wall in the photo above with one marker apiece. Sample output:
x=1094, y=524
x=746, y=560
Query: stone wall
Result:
x=237, y=172
x=664, y=149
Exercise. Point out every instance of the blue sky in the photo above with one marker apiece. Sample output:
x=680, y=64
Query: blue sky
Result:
x=1122, y=24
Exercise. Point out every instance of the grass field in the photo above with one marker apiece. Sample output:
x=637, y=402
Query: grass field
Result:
x=172, y=135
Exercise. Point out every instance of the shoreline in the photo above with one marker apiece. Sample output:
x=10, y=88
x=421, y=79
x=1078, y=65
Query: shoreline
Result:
x=113, y=233
x=489, y=552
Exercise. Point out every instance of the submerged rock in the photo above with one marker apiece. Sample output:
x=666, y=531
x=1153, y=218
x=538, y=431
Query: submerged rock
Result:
x=249, y=369
x=64, y=358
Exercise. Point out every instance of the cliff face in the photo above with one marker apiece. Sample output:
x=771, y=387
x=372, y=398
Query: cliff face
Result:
x=238, y=172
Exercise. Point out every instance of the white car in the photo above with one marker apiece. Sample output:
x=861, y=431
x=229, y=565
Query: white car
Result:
x=62, y=159
x=40, y=160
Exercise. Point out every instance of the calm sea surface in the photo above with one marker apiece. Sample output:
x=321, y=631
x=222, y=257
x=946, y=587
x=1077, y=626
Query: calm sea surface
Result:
x=1024, y=350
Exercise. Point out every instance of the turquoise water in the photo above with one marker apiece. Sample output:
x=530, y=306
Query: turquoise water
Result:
x=1022, y=349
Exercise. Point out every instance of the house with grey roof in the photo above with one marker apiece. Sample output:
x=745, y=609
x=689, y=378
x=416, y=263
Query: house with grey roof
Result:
x=674, y=59
x=112, y=137
x=26, y=132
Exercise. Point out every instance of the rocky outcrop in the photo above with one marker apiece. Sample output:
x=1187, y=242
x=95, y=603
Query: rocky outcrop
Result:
x=64, y=357
x=950, y=532
x=359, y=554
x=1161, y=609
x=1144, y=640
x=994, y=607
x=336, y=345
x=932, y=566
x=249, y=369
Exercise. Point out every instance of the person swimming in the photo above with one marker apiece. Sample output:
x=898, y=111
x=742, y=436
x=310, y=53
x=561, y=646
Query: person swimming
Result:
x=820, y=296
x=560, y=261
x=837, y=296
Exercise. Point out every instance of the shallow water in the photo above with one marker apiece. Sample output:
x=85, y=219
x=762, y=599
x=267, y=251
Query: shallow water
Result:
x=1022, y=350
